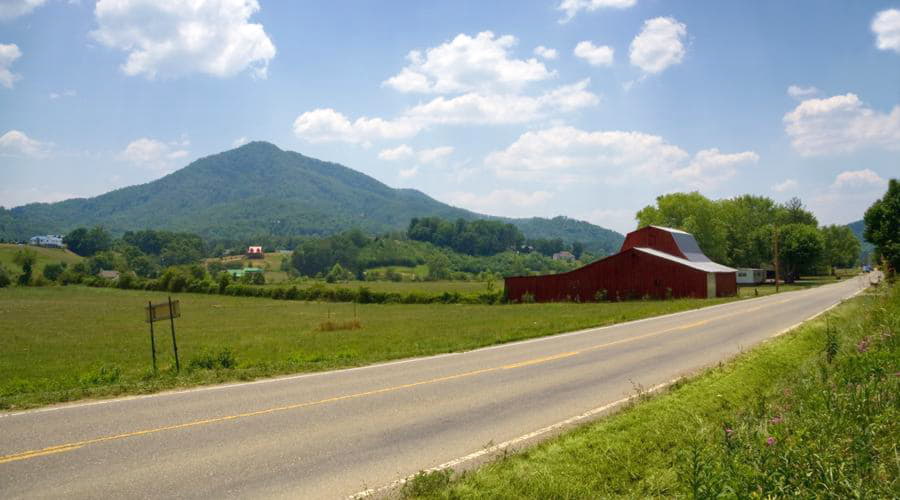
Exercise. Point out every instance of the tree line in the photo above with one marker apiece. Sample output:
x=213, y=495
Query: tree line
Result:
x=741, y=231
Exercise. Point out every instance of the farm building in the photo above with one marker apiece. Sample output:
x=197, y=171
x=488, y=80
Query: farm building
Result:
x=255, y=253
x=564, y=255
x=653, y=262
x=749, y=276
x=50, y=241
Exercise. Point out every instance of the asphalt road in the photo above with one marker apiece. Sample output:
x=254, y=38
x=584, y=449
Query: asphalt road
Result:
x=334, y=434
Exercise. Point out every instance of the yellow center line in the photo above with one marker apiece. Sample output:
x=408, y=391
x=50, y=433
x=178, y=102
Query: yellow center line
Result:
x=79, y=444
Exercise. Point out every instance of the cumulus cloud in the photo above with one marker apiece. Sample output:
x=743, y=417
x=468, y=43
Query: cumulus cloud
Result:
x=841, y=124
x=172, y=38
x=64, y=93
x=16, y=143
x=155, y=155
x=8, y=55
x=659, y=45
x=595, y=55
x=785, y=186
x=328, y=125
x=571, y=8
x=855, y=179
x=466, y=64
x=545, y=53
x=565, y=154
x=798, y=92
x=886, y=27
x=508, y=202
x=424, y=156
x=11, y=9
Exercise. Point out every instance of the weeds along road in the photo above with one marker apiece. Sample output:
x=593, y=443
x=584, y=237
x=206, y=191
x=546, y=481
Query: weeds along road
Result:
x=330, y=435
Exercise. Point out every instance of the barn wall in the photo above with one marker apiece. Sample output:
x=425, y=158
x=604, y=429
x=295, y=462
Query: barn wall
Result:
x=726, y=284
x=629, y=274
x=650, y=237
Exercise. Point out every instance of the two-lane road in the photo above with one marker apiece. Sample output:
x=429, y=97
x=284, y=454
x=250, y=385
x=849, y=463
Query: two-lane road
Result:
x=329, y=435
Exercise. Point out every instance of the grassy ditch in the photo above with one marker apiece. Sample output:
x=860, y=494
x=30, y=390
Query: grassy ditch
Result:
x=65, y=343
x=814, y=414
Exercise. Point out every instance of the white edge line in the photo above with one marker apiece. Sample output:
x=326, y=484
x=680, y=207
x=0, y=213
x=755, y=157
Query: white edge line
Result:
x=512, y=442
x=286, y=378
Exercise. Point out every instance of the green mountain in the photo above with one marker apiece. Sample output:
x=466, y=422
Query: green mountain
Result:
x=258, y=189
x=858, y=228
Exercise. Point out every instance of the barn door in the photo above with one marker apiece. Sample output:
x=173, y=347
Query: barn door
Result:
x=710, y=285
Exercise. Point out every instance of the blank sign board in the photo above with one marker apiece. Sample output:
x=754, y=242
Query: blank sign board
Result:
x=159, y=312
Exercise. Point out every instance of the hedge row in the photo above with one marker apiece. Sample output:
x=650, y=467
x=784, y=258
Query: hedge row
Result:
x=315, y=292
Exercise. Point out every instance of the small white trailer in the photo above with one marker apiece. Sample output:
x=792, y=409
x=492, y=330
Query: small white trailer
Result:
x=750, y=276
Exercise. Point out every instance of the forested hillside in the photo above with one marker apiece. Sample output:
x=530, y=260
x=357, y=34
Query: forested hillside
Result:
x=259, y=189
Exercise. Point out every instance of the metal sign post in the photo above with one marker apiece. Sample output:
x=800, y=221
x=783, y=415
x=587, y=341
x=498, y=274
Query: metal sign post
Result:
x=164, y=311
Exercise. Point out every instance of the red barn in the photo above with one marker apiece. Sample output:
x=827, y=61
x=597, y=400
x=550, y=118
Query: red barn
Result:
x=255, y=253
x=654, y=261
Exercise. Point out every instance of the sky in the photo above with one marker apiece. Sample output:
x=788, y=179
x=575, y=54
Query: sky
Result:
x=584, y=108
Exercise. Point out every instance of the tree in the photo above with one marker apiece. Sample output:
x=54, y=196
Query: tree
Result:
x=338, y=273
x=800, y=248
x=691, y=212
x=883, y=226
x=5, y=279
x=577, y=249
x=841, y=247
x=53, y=271
x=26, y=259
x=87, y=242
x=438, y=266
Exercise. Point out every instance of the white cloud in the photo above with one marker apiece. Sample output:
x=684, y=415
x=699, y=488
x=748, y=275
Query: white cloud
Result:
x=240, y=141
x=855, y=179
x=467, y=64
x=841, y=124
x=886, y=27
x=476, y=108
x=11, y=9
x=659, y=45
x=545, y=53
x=16, y=143
x=408, y=173
x=785, y=186
x=154, y=154
x=798, y=92
x=172, y=38
x=848, y=197
x=64, y=93
x=572, y=7
x=8, y=54
x=424, y=156
x=709, y=168
x=328, y=125
x=508, y=202
x=595, y=55
x=565, y=154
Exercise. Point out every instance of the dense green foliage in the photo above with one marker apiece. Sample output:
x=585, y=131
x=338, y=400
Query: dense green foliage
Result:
x=479, y=237
x=866, y=247
x=883, y=225
x=259, y=192
x=87, y=242
x=740, y=232
x=814, y=414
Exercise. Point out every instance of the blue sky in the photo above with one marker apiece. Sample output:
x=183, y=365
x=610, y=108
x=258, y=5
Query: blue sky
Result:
x=625, y=100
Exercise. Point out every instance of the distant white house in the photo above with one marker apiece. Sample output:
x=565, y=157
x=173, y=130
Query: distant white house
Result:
x=564, y=255
x=50, y=240
x=749, y=276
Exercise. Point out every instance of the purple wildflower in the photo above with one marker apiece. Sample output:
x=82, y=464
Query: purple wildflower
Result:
x=729, y=432
x=775, y=420
x=770, y=441
x=863, y=345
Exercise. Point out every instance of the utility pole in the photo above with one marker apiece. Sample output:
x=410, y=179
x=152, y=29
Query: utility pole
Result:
x=777, y=272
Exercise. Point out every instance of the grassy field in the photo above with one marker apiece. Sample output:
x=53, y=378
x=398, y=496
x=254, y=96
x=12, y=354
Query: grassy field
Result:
x=814, y=414
x=64, y=343
x=44, y=256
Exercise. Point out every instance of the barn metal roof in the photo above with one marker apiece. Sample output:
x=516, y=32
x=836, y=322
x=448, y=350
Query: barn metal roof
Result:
x=687, y=244
x=705, y=266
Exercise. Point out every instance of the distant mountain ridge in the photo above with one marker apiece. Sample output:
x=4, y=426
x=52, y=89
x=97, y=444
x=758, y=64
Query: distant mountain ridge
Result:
x=259, y=189
x=859, y=228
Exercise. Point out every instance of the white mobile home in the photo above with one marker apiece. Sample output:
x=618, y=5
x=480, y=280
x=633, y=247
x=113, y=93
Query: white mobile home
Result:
x=749, y=276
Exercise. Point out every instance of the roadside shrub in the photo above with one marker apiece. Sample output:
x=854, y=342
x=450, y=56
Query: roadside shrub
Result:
x=209, y=360
x=5, y=278
x=600, y=296
x=103, y=375
x=52, y=272
x=528, y=298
